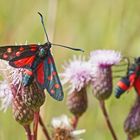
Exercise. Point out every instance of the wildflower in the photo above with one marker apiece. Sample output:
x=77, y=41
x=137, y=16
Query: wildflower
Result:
x=25, y=100
x=33, y=96
x=102, y=61
x=22, y=114
x=77, y=72
x=63, y=129
x=105, y=58
x=132, y=122
x=5, y=95
x=77, y=75
x=11, y=87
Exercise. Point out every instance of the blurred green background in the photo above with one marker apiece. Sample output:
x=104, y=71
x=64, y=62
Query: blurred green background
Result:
x=90, y=24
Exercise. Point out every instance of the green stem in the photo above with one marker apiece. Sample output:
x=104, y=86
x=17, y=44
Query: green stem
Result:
x=129, y=138
x=44, y=129
x=75, y=120
x=102, y=105
x=28, y=132
x=35, y=125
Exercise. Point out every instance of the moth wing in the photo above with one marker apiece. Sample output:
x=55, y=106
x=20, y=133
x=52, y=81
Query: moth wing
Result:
x=137, y=85
x=47, y=77
x=25, y=57
x=10, y=52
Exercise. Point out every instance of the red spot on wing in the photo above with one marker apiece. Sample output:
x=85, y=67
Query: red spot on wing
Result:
x=54, y=73
x=18, y=53
x=132, y=79
x=24, y=62
x=50, y=60
x=40, y=73
x=33, y=47
x=50, y=77
x=9, y=50
x=28, y=72
x=122, y=85
x=52, y=91
x=57, y=86
x=21, y=48
x=5, y=56
x=137, y=85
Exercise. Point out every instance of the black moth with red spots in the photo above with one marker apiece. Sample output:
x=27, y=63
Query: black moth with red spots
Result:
x=38, y=63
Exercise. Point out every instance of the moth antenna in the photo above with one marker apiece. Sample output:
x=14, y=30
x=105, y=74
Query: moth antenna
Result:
x=42, y=21
x=75, y=49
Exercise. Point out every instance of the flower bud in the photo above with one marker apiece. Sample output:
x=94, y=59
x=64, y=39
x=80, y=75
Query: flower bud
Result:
x=77, y=102
x=132, y=122
x=102, y=84
x=102, y=62
x=33, y=96
x=22, y=114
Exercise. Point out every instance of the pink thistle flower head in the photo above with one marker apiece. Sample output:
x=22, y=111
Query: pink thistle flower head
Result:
x=6, y=96
x=11, y=76
x=105, y=58
x=102, y=61
x=132, y=122
x=11, y=93
x=77, y=72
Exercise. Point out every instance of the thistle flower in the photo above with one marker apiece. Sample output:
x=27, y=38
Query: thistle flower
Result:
x=63, y=129
x=6, y=96
x=102, y=61
x=78, y=75
x=33, y=96
x=105, y=58
x=132, y=122
x=77, y=72
x=22, y=114
x=77, y=102
x=12, y=90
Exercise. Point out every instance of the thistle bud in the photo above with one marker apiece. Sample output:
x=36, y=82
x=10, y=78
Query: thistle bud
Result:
x=11, y=88
x=78, y=75
x=102, y=61
x=132, y=122
x=22, y=114
x=102, y=83
x=33, y=96
x=77, y=102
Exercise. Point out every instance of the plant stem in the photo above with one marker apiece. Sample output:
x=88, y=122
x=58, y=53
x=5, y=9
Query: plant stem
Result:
x=75, y=120
x=44, y=129
x=102, y=105
x=129, y=138
x=28, y=132
x=35, y=126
